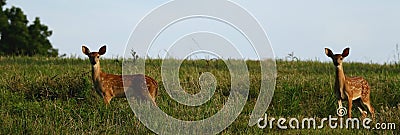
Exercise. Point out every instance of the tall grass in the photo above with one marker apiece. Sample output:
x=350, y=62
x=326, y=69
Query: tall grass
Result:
x=55, y=96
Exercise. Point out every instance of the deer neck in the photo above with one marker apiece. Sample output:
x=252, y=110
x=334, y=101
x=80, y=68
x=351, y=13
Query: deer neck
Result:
x=340, y=80
x=96, y=76
x=340, y=74
x=96, y=73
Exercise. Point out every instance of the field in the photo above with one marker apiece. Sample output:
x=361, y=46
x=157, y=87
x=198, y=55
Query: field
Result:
x=55, y=96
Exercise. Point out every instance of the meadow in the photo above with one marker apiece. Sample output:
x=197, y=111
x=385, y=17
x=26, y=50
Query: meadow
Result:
x=40, y=95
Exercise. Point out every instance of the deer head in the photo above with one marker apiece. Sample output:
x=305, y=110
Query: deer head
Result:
x=337, y=58
x=94, y=57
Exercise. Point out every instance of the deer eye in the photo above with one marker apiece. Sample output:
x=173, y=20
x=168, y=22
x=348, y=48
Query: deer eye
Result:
x=341, y=58
x=98, y=56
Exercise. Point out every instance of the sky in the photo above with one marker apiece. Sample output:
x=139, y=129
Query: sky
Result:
x=370, y=28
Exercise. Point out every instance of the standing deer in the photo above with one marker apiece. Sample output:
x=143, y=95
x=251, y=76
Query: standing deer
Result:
x=112, y=86
x=350, y=88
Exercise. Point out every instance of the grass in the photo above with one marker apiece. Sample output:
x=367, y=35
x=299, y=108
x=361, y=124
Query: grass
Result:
x=54, y=96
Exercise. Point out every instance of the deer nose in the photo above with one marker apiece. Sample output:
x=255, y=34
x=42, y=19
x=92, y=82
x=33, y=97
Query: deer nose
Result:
x=336, y=64
x=93, y=62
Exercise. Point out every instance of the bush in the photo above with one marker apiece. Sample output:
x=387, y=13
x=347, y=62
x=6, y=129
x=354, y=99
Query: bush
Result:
x=62, y=86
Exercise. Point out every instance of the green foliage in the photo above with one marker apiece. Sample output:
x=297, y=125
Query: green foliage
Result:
x=3, y=17
x=54, y=96
x=40, y=45
x=19, y=38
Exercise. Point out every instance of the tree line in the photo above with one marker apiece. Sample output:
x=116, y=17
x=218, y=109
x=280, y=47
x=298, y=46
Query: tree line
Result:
x=18, y=37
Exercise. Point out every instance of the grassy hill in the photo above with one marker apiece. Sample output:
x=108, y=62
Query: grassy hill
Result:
x=54, y=96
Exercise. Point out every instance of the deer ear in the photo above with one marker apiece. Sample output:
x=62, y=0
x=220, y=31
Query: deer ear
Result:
x=102, y=50
x=328, y=52
x=85, y=50
x=346, y=52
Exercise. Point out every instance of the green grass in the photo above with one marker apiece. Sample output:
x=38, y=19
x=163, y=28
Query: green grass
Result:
x=54, y=96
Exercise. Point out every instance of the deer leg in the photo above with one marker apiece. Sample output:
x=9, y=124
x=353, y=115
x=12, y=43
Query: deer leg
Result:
x=152, y=93
x=153, y=98
x=370, y=108
x=340, y=103
x=150, y=96
x=350, y=106
x=360, y=107
x=107, y=100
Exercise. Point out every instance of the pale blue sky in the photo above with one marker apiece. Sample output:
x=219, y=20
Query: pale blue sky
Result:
x=370, y=28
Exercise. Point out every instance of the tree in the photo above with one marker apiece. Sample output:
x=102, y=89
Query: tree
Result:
x=3, y=17
x=38, y=39
x=3, y=24
x=17, y=38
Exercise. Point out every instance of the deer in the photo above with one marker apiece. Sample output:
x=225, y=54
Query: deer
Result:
x=350, y=88
x=112, y=86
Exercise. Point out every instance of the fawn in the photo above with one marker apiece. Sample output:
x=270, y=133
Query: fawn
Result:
x=112, y=86
x=350, y=88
